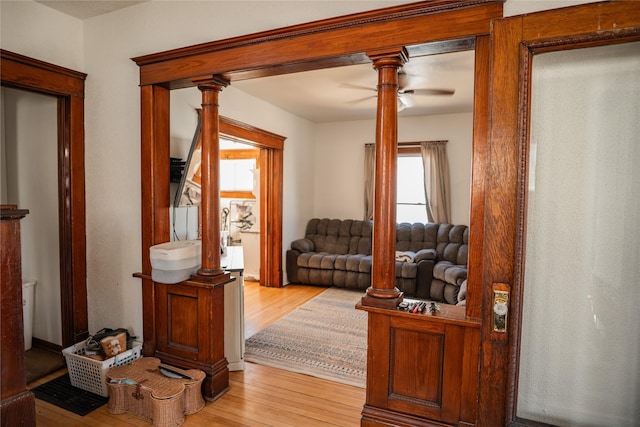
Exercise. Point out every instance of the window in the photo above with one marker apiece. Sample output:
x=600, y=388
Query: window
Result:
x=410, y=198
x=237, y=163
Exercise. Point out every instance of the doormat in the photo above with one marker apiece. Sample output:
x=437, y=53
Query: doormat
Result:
x=61, y=393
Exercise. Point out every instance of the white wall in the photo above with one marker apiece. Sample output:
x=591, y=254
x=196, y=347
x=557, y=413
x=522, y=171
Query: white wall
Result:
x=339, y=165
x=37, y=31
x=33, y=30
x=30, y=161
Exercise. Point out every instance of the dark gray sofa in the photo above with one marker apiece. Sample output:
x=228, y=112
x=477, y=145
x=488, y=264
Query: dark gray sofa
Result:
x=431, y=261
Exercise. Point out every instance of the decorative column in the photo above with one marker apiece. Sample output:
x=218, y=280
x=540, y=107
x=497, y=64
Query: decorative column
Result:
x=382, y=292
x=210, y=175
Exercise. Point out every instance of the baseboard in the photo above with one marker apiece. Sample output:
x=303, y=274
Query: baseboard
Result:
x=46, y=345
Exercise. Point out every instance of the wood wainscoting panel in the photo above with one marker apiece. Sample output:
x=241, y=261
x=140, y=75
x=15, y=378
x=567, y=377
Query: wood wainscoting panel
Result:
x=416, y=365
x=182, y=318
x=422, y=365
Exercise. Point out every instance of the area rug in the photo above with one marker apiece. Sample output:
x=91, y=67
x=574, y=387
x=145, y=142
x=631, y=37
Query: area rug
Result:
x=61, y=393
x=325, y=338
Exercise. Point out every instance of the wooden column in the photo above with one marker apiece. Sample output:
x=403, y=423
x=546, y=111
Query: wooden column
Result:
x=17, y=403
x=382, y=292
x=210, y=175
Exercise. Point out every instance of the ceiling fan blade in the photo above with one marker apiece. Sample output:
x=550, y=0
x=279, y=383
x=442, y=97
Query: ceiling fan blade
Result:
x=356, y=101
x=352, y=86
x=447, y=92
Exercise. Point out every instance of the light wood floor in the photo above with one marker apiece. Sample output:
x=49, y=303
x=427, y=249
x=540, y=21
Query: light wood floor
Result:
x=257, y=396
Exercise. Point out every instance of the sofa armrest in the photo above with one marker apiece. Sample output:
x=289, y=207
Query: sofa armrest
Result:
x=303, y=245
x=424, y=276
x=425, y=254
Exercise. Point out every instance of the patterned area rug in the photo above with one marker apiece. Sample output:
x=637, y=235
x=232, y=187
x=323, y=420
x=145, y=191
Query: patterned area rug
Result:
x=324, y=338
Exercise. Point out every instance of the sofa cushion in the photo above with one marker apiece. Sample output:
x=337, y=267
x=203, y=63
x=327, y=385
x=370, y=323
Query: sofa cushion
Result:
x=303, y=245
x=319, y=260
x=406, y=270
x=450, y=273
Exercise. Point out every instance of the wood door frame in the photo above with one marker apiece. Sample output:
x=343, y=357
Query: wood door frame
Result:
x=21, y=72
x=428, y=27
x=515, y=41
x=328, y=43
x=271, y=167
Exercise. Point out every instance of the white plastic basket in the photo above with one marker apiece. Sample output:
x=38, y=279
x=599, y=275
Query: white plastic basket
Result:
x=90, y=374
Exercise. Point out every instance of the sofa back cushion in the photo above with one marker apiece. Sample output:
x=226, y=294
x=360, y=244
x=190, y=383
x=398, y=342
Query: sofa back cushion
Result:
x=340, y=236
x=453, y=243
x=450, y=241
x=352, y=237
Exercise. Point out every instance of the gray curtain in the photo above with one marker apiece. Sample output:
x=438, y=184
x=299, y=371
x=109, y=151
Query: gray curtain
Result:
x=369, y=180
x=436, y=181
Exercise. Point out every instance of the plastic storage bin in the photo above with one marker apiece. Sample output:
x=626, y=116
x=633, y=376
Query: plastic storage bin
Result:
x=28, y=300
x=90, y=374
x=173, y=262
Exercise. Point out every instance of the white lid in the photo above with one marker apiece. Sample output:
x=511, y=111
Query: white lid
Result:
x=176, y=250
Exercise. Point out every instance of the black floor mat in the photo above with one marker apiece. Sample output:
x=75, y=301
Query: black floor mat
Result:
x=60, y=392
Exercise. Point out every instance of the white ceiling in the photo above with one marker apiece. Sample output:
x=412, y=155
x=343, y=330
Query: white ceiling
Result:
x=338, y=94
x=348, y=93
x=84, y=9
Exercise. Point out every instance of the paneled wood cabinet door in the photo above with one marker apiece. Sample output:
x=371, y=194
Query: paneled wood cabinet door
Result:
x=526, y=231
x=190, y=331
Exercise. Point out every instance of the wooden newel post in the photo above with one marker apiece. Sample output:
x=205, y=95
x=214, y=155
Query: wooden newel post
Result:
x=17, y=403
x=210, y=175
x=382, y=292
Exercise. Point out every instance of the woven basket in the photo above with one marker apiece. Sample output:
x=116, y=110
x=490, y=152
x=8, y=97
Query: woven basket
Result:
x=141, y=389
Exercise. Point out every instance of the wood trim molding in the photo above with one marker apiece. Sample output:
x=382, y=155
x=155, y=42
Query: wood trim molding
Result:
x=21, y=72
x=344, y=41
x=328, y=43
x=515, y=41
x=250, y=134
x=270, y=159
x=322, y=26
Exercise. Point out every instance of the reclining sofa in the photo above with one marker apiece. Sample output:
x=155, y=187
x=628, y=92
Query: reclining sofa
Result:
x=431, y=259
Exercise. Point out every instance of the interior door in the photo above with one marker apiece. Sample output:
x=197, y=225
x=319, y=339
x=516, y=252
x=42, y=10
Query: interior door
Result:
x=560, y=265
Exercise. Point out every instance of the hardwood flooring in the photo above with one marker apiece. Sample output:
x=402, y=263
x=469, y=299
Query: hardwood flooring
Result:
x=259, y=395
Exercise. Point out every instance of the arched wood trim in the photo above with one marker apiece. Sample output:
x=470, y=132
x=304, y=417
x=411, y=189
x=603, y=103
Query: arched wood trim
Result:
x=67, y=86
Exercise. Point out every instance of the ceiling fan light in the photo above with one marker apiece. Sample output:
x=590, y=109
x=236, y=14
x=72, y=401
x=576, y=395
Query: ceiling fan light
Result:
x=401, y=105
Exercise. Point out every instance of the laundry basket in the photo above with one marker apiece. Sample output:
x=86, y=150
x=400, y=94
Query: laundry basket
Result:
x=90, y=374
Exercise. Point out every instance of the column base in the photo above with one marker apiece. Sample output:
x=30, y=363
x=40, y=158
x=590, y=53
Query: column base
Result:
x=382, y=298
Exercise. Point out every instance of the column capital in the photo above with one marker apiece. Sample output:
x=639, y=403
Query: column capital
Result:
x=393, y=57
x=216, y=83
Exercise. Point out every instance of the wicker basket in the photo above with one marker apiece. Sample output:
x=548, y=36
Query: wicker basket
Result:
x=90, y=374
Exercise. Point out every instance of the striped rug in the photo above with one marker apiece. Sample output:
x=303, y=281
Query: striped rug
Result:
x=324, y=338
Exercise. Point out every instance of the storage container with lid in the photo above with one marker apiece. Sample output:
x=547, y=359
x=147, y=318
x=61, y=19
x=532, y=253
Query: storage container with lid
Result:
x=174, y=262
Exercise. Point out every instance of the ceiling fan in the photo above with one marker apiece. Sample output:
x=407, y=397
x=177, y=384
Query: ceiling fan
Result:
x=404, y=101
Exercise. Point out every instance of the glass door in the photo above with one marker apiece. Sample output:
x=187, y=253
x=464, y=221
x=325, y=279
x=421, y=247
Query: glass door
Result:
x=580, y=337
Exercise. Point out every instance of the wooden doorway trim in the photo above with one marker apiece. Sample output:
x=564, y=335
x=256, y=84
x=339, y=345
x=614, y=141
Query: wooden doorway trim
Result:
x=422, y=28
x=67, y=86
x=515, y=41
x=271, y=182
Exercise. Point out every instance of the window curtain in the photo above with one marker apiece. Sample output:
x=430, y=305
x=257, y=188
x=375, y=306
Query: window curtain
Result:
x=369, y=179
x=436, y=181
